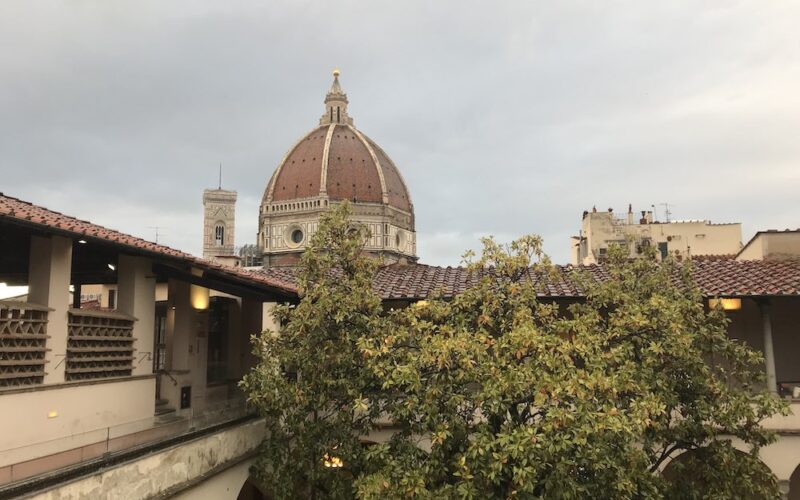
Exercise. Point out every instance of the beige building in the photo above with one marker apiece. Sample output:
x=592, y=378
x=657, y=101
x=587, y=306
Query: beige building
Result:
x=685, y=239
x=772, y=245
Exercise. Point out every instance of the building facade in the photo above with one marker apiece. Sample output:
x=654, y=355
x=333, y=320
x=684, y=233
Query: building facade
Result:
x=684, y=239
x=772, y=245
x=219, y=225
x=333, y=163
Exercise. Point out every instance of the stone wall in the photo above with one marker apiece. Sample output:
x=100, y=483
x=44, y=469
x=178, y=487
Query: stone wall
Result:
x=168, y=472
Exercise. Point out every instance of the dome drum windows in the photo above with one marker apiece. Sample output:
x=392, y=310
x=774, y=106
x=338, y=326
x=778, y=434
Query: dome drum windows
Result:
x=297, y=236
x=294, y=236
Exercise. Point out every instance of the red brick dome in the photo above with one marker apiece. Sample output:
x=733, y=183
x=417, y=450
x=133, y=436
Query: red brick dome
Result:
x=338, y=161
x=332, y=163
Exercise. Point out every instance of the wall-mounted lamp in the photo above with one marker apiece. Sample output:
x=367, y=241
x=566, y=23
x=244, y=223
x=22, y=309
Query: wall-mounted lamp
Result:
x=82, y=242
x=198, y=296
x=52, y=414
x=112, y=266
x=726, y=304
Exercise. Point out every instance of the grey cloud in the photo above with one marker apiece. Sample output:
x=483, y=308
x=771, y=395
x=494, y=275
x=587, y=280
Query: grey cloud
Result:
x=505, y=118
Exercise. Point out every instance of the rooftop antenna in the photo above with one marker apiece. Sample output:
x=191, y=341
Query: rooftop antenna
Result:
x=667, y=211
x=156, y=228
x=220, y=175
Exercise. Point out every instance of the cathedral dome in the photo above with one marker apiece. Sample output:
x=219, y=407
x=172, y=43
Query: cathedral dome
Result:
x=337, y=161
x=333, y=163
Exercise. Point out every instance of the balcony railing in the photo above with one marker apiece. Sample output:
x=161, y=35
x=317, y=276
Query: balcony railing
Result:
x=23, y=343
x=99, y=345
x=108, y=445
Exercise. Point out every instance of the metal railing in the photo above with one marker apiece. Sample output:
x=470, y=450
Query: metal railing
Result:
x=25, y=462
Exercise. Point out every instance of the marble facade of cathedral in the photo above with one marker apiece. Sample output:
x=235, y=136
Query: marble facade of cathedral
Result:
x=332, y=163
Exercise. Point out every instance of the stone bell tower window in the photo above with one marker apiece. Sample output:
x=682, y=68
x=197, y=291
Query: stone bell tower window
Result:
x=219, y=235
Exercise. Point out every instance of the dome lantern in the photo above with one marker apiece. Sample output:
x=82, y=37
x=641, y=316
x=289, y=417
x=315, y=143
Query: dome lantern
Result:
x=335, y=104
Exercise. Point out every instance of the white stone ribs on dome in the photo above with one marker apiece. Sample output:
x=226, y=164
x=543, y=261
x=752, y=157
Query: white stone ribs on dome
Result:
x=376, y=162
x=399, y=174
x=323, y=181
x=268, y=193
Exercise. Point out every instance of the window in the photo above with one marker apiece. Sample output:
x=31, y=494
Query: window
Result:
x=112, y=299
x=297, y=236
x=219, y=235
x=663, y=249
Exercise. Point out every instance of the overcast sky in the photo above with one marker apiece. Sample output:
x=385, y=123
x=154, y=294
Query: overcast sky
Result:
x=505, y=118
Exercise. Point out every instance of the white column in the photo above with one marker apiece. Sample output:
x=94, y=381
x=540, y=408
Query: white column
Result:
x=136, y=297
x=252, y=321
x=49, y=272
x=179, y=325
x=235, y=345
x=783, y=486
x=769, y=351
x=267, y=319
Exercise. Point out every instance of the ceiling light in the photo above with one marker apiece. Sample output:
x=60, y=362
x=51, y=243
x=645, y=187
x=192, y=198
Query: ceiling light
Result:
x=82, y=242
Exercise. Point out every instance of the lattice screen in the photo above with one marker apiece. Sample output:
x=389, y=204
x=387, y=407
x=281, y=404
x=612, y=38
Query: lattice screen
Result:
x=23, y=337
x=100, y=345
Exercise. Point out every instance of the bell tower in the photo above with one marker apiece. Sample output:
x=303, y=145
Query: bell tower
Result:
x=219, y=218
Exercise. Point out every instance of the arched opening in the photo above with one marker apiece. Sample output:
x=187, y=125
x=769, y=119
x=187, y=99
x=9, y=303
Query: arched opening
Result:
x=718, y=469
x=251, y=491
x=794, y=484
x=219, y=235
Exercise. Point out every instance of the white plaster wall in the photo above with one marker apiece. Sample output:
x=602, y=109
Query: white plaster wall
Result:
x=80, y=409
x=772, y=245
x=697, y=238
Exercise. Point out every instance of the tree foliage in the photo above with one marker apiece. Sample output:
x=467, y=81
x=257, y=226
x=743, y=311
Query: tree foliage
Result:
x=311, y=382
x=520, y=398
x=501, y=393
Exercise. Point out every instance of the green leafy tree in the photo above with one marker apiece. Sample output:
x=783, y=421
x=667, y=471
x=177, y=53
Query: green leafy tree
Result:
x=312, y=382
x=500, y=394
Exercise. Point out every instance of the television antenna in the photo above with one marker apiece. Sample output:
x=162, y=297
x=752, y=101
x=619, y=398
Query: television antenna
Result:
x=667, y=211
x=158, y=233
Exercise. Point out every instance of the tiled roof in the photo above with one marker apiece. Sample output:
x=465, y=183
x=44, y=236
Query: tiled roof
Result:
x=723, y=256
x=351, y=165
x=748, y=277
x=34, y=215
x=723, y=277
x=714, y=277
x=14, y=208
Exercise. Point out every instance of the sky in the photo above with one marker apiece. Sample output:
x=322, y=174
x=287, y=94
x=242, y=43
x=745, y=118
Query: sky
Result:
x=505, y=118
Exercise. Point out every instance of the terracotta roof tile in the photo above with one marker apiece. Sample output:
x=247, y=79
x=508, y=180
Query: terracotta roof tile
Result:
x=714, y=277
x=725, y=277
x=28, y=213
